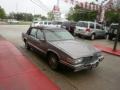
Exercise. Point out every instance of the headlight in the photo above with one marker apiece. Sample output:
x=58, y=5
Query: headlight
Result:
x=78, y=60
x=74, y=61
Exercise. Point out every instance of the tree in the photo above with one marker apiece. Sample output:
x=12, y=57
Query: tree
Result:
x=2, y=13
x=50, y=15
x=112, y=17
x=39, y=16
x=77, y=13
x=21, y=16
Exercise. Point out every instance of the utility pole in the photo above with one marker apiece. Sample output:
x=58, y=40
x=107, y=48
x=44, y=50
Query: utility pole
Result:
x=58, y=3
x=116, y=7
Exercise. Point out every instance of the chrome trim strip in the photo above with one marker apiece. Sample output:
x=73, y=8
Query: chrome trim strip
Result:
x=37, y=48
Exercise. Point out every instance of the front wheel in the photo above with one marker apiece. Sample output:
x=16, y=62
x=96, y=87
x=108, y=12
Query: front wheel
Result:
x=53, y=61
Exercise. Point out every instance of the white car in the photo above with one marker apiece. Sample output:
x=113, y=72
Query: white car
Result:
x=89, y=29
x=43, y=23
x=12, y=21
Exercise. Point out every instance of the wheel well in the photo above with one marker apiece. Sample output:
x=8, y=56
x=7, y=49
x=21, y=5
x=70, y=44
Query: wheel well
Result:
x=93, y=33
x=50, y=52
x=24, y=40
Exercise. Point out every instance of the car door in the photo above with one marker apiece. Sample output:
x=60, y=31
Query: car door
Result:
x=32, y=37
x=40, y=41
x=99, y=30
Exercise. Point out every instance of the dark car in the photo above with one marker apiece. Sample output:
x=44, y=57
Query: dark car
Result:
x=112, y=32
x=60, y=47
x=70, y=26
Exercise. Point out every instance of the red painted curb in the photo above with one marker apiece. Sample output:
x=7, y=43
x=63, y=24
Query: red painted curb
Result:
x=18, y=73
x=108, y=50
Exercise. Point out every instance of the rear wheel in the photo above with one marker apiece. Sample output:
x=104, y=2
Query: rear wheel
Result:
x=53, y=61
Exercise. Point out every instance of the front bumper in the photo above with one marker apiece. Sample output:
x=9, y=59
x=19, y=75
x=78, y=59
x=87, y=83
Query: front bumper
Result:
x=79, y=67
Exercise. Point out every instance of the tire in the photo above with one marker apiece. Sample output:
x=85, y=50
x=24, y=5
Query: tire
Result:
x=27, y=45
x=92, y=37
x=53, y=61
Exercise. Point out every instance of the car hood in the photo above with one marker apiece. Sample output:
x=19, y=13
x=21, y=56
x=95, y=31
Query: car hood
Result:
x=74, y=48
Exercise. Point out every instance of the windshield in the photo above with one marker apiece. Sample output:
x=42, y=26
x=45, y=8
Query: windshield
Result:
x=56, y=35
x=114, y=26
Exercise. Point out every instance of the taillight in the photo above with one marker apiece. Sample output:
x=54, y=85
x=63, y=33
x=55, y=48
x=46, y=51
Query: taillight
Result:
x=87, y=30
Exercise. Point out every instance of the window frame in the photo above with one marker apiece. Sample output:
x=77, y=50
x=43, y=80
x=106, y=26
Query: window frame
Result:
x=42, y=33
x=31, y=31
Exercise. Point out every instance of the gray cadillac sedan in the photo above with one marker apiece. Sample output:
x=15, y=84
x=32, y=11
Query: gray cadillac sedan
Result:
x=60, y=47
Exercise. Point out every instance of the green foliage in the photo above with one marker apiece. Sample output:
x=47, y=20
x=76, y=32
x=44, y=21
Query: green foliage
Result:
x=2, y=13
x=50, y=15
x=21, y=16
x=38, y=16
x=112, y=17
x=76, y=14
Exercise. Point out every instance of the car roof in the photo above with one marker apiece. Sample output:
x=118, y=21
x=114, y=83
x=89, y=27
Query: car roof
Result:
x=114, y=24
x=88, y=21
x=48, y=28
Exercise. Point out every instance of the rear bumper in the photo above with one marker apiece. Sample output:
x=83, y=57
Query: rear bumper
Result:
x=86, y=34
x=79, y=67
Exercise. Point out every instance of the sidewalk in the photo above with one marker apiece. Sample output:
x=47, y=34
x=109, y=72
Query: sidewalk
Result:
x=18, y=73
x=108, y=49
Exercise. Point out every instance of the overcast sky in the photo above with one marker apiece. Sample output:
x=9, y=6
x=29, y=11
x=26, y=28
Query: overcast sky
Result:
x=29, y=7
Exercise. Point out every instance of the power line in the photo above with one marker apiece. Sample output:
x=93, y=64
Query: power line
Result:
x=43, y=4
x=39, y=6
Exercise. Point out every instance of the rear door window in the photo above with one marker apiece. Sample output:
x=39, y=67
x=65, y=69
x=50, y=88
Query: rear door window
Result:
x=92, y=26
x=40, y=35
x=45, y=23
x=49, y=23
x=82, y=24
x=41, y=22
x=98, y=26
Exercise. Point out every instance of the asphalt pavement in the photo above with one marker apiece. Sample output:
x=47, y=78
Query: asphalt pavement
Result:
x=105, y=77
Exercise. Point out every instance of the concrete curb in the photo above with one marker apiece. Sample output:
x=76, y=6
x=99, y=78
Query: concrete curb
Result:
x=108, y=50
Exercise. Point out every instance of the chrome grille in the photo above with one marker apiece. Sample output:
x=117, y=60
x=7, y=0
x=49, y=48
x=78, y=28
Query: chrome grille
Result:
x=90, y=59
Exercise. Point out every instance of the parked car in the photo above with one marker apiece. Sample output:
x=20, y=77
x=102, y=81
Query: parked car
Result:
x=112, y=32
x=43, y=23
x=60, y=47
x=68, y=25
x=57, y=23
x=12, y=21
x=90, y=29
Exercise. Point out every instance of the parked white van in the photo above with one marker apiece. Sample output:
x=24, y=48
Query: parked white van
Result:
x=43, y=23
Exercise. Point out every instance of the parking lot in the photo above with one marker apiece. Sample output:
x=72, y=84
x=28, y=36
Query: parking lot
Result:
x=104, y=77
